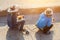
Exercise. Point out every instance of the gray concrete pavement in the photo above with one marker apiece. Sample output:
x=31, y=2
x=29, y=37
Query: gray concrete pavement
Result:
x=9, y=34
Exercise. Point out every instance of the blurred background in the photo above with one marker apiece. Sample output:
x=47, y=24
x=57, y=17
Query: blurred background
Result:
x=30, y=8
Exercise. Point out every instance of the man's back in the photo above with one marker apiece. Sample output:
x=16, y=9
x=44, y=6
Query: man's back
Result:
x=42, y=21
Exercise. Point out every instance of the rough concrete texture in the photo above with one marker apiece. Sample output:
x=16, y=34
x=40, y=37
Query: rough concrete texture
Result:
x=9, y=34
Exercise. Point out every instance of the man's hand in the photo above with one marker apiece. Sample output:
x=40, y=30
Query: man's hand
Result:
x=20, y=17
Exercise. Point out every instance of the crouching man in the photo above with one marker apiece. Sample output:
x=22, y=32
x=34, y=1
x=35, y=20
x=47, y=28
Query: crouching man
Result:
x=44, y=22
x=14, y=20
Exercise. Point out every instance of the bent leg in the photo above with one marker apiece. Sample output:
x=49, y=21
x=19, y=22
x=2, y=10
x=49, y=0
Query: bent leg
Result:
x=21, y=24
x=46, y=29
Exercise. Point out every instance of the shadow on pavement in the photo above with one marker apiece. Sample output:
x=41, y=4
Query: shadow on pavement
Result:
x=14, y=35
x=41, y=36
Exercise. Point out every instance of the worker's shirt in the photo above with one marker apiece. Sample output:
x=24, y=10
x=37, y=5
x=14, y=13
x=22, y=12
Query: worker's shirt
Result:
x=44, y=21
x=11, y=17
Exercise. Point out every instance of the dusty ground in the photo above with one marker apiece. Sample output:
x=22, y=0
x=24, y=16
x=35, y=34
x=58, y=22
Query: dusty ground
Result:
x=9, y=34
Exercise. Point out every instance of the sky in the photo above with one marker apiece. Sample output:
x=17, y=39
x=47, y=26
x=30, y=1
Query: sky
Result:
x=29, y=3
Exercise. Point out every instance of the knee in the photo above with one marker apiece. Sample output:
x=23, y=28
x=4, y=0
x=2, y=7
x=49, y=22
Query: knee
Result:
x=51, y=25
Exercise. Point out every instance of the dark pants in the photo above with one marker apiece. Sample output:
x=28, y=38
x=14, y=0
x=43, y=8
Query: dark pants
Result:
x=20, y=24
x=46, y=28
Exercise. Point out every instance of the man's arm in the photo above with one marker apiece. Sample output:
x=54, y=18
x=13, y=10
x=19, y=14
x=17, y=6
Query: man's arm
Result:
x=9, y=10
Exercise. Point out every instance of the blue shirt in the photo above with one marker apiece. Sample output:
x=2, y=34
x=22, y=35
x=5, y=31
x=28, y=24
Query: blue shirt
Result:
x=44, y=21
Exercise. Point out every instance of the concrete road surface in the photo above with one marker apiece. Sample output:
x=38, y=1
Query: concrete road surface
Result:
x=9, y=34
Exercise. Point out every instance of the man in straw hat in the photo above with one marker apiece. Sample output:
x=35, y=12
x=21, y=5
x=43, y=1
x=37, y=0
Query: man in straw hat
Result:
x=44, y=22
x=13, y=17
